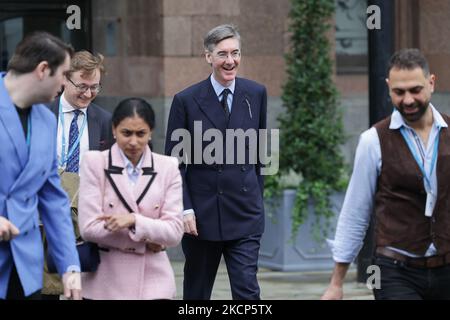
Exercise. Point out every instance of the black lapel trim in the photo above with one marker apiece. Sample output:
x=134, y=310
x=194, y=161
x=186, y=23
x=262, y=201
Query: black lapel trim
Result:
x=115, y=170
x=147, y=171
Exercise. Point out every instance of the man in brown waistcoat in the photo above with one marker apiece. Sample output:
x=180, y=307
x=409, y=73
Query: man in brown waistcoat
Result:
x=401, y=173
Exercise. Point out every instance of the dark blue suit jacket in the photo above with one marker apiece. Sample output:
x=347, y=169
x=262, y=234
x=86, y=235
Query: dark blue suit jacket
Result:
x=227, y=198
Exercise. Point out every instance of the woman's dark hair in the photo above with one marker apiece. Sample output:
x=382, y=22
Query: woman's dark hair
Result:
x=131, y=107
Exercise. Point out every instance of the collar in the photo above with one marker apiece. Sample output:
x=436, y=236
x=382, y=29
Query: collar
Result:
x=218, y=88
x=67, y=107
x=397, y=120
x=127, y=163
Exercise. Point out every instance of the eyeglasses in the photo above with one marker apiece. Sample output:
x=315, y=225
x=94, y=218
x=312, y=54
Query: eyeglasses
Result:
x=82, y=88
x=222, y=55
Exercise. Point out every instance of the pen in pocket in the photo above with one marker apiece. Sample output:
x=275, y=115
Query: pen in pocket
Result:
x=249, y=108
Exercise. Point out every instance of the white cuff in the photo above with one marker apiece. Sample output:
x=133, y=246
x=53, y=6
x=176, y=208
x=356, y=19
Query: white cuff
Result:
x=188, y=211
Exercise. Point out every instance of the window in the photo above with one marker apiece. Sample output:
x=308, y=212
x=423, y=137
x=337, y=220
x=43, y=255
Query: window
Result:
x=351, y=36
x=20, y=17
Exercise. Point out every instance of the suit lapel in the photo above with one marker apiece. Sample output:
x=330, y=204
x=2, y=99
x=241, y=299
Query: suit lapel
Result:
x=38, y=127
x=209, y=104
x=54, y=107
x=116, y=175
x=239, y=108
x=148, y=175
x=11, y=122
x=94, y=128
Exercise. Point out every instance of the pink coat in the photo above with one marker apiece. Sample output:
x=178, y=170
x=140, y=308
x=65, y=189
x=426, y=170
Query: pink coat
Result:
x=129, y=270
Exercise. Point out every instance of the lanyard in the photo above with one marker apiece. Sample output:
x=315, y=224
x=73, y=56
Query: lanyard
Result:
x=419, y=163
x=64, y=157
x=29, y=130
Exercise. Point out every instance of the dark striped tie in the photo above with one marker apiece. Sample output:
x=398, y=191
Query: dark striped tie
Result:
x=73, y=161
x=225, y=107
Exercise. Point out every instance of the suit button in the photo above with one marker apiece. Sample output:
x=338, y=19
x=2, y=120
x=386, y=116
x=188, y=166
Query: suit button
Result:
x=220, y=170
x=220, y=192
x=111, y=204
x=8, y=197
x=243, y=169
x=43, y=173
x=244, y=189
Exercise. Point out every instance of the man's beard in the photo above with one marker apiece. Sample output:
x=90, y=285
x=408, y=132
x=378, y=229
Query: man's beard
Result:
x=413, y=117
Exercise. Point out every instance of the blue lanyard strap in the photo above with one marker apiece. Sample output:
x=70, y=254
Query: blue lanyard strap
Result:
x=29, y=130
x=416, y=157
x=64, y=157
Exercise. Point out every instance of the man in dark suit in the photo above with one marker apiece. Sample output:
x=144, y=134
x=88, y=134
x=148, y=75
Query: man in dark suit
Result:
x=223, y=198
x=82, y=126
x=81, y=86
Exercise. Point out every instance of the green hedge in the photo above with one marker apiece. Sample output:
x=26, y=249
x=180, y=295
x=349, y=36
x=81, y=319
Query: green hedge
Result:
x=311, y=129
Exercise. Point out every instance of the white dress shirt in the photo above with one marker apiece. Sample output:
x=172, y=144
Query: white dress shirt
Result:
x=133, y=172
x=68, y=114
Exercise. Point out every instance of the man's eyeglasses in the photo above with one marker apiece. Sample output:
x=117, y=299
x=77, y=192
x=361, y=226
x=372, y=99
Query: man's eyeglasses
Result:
x=82, y=88
x=222, y=55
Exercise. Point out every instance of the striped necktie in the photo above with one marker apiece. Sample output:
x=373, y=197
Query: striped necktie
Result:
x=73, y=161
x=225, y=107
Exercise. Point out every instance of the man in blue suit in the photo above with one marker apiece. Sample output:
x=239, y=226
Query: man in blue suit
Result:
x=223, y=199
x=30, y=184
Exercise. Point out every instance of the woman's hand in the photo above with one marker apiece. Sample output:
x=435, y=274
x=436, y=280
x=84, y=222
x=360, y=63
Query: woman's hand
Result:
x=154, y=247
x=117, y=222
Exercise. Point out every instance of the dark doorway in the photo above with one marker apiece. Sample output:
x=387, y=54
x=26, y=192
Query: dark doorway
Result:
x=20, y=17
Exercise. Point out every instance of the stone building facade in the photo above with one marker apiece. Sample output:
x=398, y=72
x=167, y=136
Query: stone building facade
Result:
x=158, y=51
x=153, y=48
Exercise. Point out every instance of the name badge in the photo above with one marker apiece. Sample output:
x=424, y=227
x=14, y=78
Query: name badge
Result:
x=429, y=206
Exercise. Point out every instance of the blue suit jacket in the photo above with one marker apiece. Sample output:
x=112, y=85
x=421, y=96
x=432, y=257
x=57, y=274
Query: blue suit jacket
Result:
x=29, y=187
x=227, y=198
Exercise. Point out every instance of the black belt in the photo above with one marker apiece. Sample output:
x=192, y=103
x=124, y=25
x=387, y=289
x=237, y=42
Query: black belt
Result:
x=422, y=262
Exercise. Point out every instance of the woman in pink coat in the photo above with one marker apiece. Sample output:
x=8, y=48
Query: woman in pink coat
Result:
x=130, y=204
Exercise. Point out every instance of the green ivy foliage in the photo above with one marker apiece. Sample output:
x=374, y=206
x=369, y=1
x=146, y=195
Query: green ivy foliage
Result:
x=311, y=124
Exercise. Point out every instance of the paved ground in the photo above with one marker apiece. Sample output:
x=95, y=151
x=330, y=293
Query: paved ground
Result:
x=276, y=285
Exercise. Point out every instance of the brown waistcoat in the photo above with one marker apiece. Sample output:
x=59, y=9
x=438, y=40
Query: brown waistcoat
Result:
x=400, y=219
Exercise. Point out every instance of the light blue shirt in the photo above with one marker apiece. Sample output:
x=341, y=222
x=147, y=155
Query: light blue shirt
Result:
x=133, y=172
x=218, y=88
x=359, y=199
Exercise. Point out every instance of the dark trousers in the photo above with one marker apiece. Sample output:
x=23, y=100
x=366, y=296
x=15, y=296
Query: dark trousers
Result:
x=202, y=261
x=402, y=282
x=15, y=290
